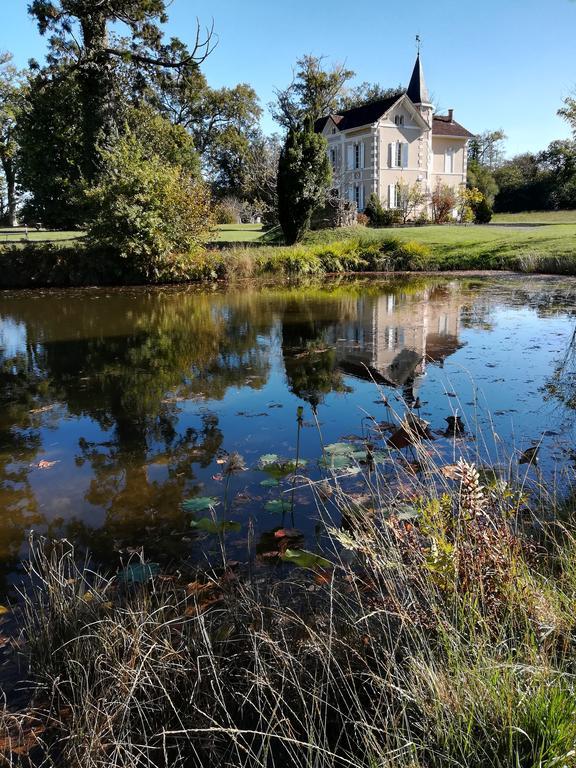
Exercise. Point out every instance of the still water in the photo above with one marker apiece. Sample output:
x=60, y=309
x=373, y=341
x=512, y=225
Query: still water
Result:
x=119, y=405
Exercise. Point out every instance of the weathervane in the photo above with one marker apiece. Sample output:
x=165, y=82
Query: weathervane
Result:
x=418, y=44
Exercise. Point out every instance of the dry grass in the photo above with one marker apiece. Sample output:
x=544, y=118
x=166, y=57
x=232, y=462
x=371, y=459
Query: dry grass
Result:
x=443, y=635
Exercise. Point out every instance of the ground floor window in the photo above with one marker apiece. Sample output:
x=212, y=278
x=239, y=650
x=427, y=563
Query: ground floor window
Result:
x=359, y=196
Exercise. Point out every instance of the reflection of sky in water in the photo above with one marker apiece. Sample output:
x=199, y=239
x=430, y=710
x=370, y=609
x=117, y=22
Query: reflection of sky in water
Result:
x=135, y=395
x=12, y=337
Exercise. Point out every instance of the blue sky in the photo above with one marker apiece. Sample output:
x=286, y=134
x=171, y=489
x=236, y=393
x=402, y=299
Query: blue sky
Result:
x=499, y=63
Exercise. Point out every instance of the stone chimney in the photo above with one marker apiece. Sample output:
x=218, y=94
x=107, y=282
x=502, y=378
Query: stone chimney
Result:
x=451, y=115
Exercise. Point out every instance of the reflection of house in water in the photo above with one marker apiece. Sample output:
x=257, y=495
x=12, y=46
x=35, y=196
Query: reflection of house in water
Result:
x=394, y=336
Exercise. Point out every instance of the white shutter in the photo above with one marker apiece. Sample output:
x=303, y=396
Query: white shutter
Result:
x=391, y=195
x=351, y=194
x=404, y=155
x=362, y=150
x=446, y=161
x=350, y=156
x=391, y=157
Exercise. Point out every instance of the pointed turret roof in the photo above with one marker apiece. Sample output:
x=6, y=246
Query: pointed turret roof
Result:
x=417, y=91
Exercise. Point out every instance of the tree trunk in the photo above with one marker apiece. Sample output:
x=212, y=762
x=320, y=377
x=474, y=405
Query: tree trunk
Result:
x=97, y=90
x=10, y=176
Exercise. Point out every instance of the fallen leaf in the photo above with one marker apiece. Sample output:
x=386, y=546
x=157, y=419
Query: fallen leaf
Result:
x=47, y=464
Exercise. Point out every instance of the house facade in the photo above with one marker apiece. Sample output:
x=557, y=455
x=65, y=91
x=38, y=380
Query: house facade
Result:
x=374, y=147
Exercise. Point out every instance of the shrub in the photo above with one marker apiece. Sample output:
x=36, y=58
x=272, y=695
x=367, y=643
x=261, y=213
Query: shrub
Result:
x=379, y=216
x=304, y=174
x=151, y=214
x=226, y=212
x=483, y=212
x=443, y=203
x=362, y=219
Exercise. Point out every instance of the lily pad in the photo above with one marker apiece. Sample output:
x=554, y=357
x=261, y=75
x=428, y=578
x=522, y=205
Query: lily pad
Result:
x=278, y=506
x=210, y=526
x=336, y=461
x=270, y=483
x=199, y=504
x=268, y=458
x=340, y=449
x=283, y=467
x=139, y=573
x=304, y=559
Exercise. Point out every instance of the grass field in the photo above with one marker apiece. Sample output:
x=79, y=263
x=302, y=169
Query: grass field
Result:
x=43, y=236
x=535, y=217
x=239, y=233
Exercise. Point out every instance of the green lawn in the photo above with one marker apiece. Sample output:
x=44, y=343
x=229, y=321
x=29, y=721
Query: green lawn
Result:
x=239, y=233
x=449, y=243
x=44, y=236
x=535, y=217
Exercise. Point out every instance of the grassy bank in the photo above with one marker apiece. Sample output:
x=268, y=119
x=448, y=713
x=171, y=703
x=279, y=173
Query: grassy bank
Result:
x=546, y=249
x=433, y=627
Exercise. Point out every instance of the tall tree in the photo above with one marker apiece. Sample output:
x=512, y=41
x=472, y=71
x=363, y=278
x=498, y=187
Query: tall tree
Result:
x=313, y=93
x=221, y=121
x=367, y=93
x=568, y=112
x=304, y=175
x=50, y=157
x=487, y=148
x=12, y=84
x=80, y=35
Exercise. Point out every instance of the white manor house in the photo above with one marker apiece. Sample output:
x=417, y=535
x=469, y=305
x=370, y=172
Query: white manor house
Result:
x=373, y=147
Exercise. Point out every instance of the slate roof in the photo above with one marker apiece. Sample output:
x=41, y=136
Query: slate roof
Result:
x=417, y=90
x=443, y=126
x=354, y=118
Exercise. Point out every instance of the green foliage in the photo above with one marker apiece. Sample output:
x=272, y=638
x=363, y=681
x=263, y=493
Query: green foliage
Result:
x=314, y=92
x=379, y=216
x=482, y=212
x=12, y=90
x=304, y=174
x=367, y=93
x=481, y=177
x=199, y=504
x=150, y=213
x=50, y=151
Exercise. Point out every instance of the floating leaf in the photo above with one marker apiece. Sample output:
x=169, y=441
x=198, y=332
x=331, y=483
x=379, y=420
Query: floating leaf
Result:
x=340, y=449
x=210, y=526
x=278, y=506
x=199, y=504
x=304, y=559
x=139, y=573
x=283, y=467
x=270, y=483
x=336, y=461
x=268, y=458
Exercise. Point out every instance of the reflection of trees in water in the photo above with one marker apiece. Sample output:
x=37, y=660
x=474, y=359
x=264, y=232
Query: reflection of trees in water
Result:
x=22, y=391
x=309, y=363
x=126, y=364
x=562, y=383
x=142, y=498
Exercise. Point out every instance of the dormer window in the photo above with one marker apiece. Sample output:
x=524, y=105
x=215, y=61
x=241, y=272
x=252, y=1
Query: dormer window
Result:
x=333, y=131
x=399, y=119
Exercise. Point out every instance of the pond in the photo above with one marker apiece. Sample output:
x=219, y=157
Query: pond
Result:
x=121, y=408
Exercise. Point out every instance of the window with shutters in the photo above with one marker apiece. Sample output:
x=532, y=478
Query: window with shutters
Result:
x=357, y=156
x=449, y=160
x=399, y=154
x=359, y=196
x=333, y=158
